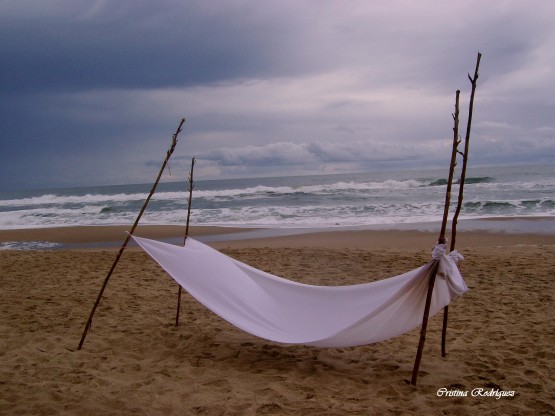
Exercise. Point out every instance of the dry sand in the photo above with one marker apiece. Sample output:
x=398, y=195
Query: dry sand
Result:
x=135, y=361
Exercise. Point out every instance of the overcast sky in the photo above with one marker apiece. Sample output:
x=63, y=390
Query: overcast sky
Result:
x=91, y=91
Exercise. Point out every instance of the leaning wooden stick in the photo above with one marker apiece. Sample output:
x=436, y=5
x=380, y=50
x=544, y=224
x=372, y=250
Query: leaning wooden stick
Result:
x=124, y=245
x=441, y=240
x=435, y=263
x=456, y=142
x=431, y=281
x=189, y=203
x=461, y=190
x=465, y=154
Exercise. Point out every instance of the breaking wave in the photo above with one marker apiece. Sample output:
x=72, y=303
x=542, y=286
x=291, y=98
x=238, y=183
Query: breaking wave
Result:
x=317, y=201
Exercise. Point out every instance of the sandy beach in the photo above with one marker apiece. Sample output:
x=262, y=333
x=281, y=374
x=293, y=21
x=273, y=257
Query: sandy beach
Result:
x=135, y=361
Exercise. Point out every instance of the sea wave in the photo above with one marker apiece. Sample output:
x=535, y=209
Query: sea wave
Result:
x=55, y=200
x=467, y=181
x=321, y=201
x=477, y=179
x=29, y=245
x=254, y=192
x=363, y=212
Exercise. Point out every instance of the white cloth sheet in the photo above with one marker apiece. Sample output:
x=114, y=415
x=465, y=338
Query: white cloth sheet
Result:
x=285, y=311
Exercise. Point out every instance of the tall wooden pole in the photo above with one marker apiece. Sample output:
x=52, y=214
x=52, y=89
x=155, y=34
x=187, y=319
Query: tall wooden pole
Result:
x=431, y=281
x=189, y=203
x=124, y=245
x=465, y=154
x=461, y=189
x=441, y=240
x=435, y=263
x=456, y=142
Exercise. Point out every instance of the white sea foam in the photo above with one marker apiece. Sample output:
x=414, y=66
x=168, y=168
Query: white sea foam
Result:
x=29, y=245
x=320, y=201
x=52, y=199
x=254, y=192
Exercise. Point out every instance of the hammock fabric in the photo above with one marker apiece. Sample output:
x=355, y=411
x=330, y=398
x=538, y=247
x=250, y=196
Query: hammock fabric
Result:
x=289, y=312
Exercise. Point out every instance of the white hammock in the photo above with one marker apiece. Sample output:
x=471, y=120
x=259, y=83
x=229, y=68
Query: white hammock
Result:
x=289, y=312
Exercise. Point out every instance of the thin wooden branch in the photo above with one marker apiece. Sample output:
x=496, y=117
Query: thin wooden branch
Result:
x=124, y=245
x=444, y=331
x=465, y=154
x=178, y=305
x=189, y=204
x=435, y=263
x=190, y=199
x=431, y=282
x=456, y=141
x=441, y=240
x=461, y=192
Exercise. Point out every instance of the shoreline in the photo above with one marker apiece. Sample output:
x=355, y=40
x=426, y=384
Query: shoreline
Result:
x=471, y=233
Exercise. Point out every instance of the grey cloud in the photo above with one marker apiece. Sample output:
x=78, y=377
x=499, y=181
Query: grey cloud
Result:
x=142, y=44
x=268, y=155
x=130, y=44
x=287, y=153
x=265, y=84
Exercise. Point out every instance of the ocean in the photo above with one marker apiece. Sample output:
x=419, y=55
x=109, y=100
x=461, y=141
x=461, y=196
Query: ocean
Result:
x=320, y=201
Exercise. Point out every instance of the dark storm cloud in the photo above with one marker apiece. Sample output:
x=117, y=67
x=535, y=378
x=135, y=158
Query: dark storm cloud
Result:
x=132, y=44
x=91, y=91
